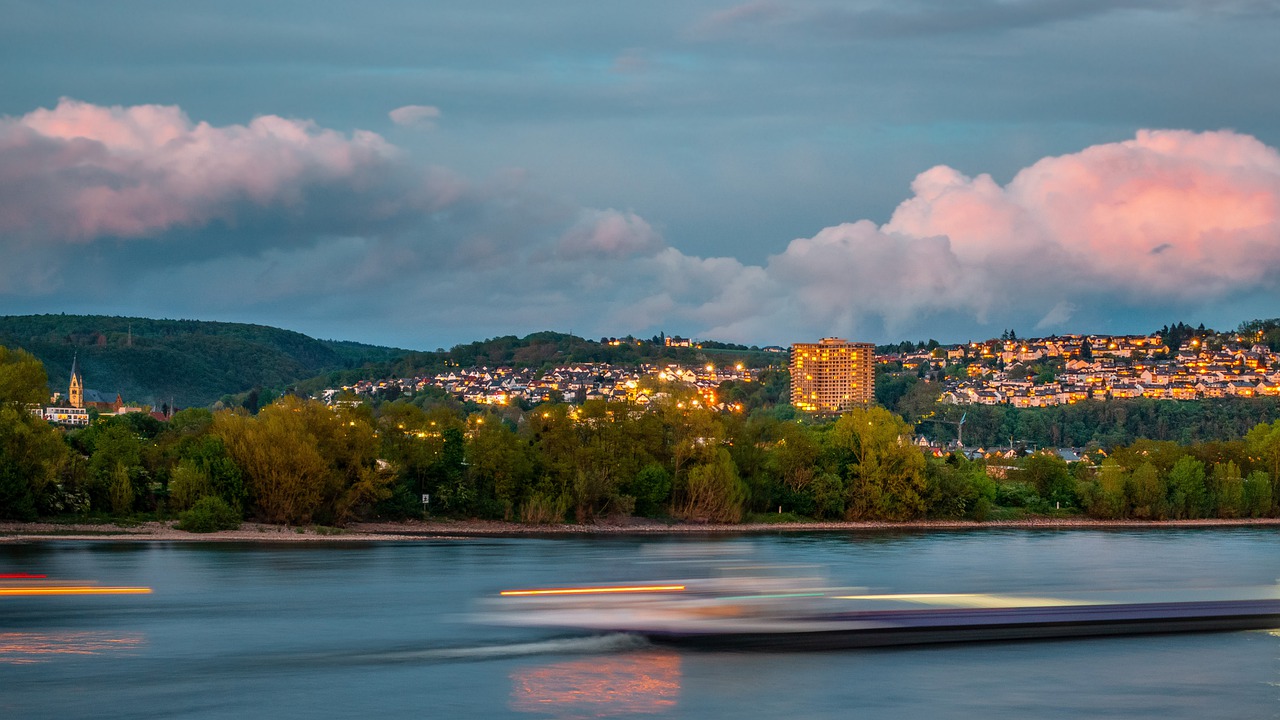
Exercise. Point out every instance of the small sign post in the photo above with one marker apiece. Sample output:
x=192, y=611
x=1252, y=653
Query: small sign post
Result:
x=426, y=500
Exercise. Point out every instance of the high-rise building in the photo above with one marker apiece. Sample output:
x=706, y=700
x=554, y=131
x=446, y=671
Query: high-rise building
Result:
x=832, y=375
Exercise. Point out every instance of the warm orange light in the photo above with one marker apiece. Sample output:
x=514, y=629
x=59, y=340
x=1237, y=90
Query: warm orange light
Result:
x=595, y=590
x=73, y=590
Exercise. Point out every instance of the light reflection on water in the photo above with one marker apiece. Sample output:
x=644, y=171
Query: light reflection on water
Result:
x=25, y=648
x=638, y=683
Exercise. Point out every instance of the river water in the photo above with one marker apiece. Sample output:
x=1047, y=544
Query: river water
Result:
x=384, y=630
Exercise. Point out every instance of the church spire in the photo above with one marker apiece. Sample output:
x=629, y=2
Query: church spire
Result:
x=75, y=393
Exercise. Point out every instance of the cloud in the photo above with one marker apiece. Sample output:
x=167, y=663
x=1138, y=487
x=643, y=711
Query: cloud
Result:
x=1170, y=214
x=81, y=172
x=1057, y=316
x=420, y=116
x=609, y=233
x=286, y=222
x=1169, y=218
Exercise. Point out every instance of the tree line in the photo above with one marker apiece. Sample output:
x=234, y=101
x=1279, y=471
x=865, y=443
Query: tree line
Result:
x=297, y=461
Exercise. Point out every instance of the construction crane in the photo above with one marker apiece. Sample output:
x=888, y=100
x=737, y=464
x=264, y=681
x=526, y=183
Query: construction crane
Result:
x=958, y=423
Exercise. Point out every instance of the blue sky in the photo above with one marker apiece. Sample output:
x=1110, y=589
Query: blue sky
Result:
x=422, y=174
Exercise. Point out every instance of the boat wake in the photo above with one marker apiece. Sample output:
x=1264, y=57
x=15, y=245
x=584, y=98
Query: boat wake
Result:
x=592, y=645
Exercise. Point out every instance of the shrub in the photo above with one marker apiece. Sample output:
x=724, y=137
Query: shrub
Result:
x=542, y=509
x=209, y=514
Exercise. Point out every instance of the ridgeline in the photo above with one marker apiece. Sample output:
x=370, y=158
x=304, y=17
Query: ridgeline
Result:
x=188, y=362
x=196, y=363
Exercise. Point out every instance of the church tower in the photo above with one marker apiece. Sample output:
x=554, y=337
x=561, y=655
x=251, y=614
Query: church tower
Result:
x=76, y=392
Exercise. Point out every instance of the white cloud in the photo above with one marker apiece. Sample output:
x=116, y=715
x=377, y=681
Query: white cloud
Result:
x=420, y=116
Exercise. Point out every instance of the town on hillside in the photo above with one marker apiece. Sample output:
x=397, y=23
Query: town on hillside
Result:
x=1178, y=363
x=1023, y=373
x=1060, y=370
x=572, y=383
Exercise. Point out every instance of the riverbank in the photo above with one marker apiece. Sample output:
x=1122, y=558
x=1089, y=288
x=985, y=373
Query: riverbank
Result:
x=459, y=529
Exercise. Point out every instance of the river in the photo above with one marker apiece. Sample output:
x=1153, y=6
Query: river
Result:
x=383, y=630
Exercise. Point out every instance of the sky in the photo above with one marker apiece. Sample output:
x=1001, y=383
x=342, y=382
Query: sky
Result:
x=421, y=174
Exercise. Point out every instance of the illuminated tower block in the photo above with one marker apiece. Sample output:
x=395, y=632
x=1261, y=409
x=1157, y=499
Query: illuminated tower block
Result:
x=832, y=375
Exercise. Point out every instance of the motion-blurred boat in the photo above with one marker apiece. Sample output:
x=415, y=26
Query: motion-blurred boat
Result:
x=770, y=612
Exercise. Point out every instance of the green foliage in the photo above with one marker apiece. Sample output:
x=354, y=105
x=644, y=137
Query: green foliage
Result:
x=714, y=492
x=300, y=462
x=1107, y=424
x=828, y=493
x=22, y=378
x=33, y=459
x=1013, y=493
x=1226, y=490
x=209, y=514
x=1047, y=474
x=884, y=473
x=650, y=487
x=957, y=488
x=120, y=491
x=303, y=461
x=1256, y=500
x=1187, y=489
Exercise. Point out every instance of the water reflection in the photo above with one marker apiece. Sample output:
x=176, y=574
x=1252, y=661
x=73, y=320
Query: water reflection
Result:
x=26, y=648
x=636, y=683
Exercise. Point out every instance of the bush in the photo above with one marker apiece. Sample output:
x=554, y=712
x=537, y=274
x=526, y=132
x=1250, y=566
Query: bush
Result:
x=209, y=514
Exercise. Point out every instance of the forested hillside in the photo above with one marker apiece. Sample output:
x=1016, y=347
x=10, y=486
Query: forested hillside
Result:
x=186, y=362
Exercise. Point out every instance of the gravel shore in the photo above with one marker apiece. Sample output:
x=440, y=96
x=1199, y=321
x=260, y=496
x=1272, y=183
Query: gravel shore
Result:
x=461, y=529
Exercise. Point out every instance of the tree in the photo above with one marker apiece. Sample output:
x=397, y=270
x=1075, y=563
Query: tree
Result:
x=499, y=466
x=1146, y=493
x=1263, y=441
x=1086, y=350
x=650, y=487
x=22, y=378
x=283, y=468
x=1186, y=488
x=32, y=455
x=885, y=473
x=1257, y=494
x=795, y=456
x=714, y=492
x=1108, y=495
x=304, y=462
x=1049, y=475
x=115, y=463
x=1227, y=490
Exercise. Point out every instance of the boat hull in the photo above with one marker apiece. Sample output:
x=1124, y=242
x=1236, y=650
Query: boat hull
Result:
x=922, y=627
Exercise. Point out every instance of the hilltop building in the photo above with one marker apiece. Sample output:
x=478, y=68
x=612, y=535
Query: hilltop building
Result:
x=73, y=411
x=832, y=375
x=80, y=401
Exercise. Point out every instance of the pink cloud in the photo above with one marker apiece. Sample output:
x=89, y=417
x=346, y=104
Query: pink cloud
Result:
x=608, y=233
x=1181, y=214
x=1169, y=217
x=82, y=171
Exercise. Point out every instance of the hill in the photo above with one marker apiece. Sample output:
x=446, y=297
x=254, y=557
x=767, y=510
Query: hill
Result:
x=544, y=350
x=188, y=362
